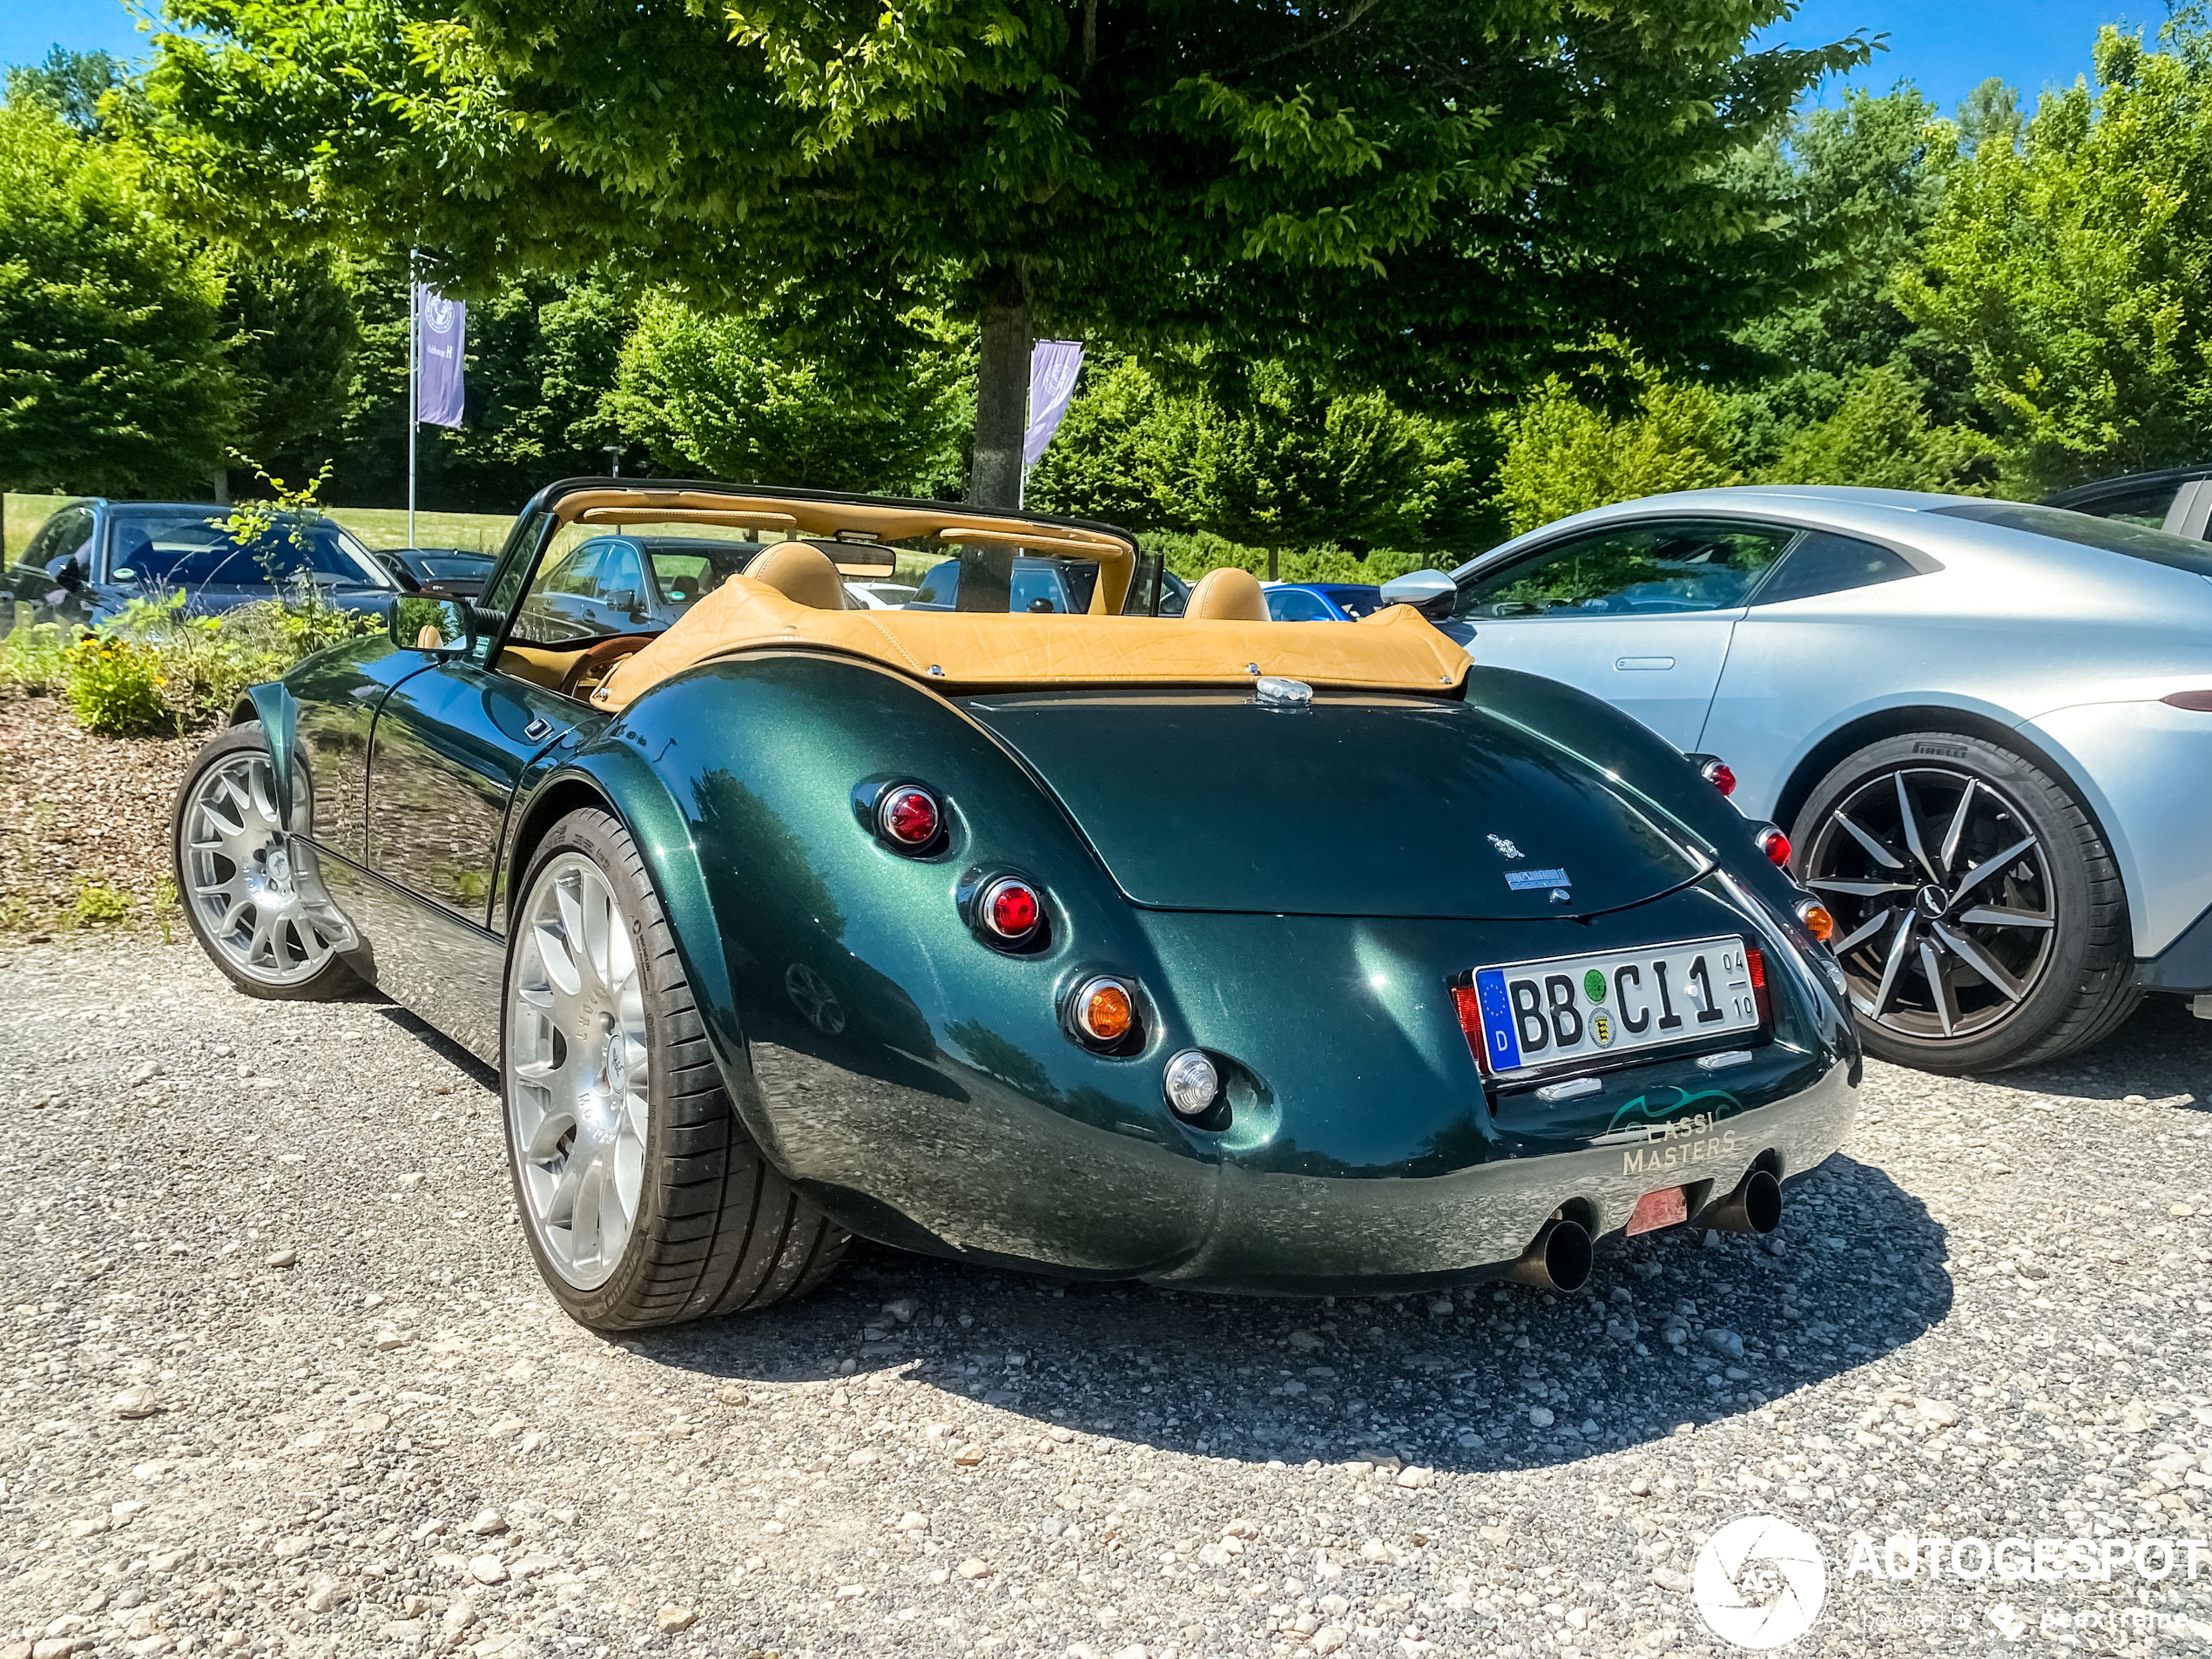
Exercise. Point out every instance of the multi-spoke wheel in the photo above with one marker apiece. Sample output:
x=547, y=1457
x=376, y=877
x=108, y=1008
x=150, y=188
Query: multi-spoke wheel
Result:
x=248, y=886
x=644, y=1200
x=1979, y=917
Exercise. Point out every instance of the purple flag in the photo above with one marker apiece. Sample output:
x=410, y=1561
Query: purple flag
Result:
x=1053, y=364
x=441, y=333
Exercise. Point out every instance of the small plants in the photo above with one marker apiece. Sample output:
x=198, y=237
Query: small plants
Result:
x=115, y=686
x=100, y=904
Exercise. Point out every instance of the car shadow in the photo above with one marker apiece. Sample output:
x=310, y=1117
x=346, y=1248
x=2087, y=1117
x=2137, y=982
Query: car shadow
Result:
x=2162, y=1053
x=1487, y=1377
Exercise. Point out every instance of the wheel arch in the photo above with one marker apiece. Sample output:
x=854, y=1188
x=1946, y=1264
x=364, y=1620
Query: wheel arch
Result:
x=1935, y=719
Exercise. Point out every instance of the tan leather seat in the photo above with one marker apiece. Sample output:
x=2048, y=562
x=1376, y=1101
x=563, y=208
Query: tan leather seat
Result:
x=1226, y=595
x=802, y=574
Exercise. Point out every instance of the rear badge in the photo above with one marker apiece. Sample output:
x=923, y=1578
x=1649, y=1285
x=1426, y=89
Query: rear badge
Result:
x=1532, y=881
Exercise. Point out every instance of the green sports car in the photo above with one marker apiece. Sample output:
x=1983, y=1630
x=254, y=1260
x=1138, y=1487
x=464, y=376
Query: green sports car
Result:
x=1206, y=950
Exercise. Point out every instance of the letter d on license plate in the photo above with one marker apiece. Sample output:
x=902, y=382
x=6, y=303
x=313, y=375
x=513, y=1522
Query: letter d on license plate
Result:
x=1578, y=1008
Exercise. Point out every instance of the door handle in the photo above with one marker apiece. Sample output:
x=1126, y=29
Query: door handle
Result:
x=1628, y=665
x=538, y=729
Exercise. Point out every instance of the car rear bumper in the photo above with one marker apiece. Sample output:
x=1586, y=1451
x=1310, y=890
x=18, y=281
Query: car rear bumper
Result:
x=2184, y=967
x=1286, y=1231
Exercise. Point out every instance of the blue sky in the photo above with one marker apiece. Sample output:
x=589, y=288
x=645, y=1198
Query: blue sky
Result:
x=1944, y=46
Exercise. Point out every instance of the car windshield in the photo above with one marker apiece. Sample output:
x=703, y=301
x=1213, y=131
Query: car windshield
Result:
x=184, y=550
x=2106, y=535
x=453, y=565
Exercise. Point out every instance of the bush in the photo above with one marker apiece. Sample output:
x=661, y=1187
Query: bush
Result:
x=116, y=687
x=1881, y=438
x=33, y=656
x=1564, y=456
x=210, y=661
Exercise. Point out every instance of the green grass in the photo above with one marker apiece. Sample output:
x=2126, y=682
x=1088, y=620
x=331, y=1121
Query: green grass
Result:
x=24, y=514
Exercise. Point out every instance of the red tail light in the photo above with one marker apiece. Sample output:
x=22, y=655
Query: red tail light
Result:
x=1776, y=846
x=1468, y=1001
x=1720, y=775
x=908, y=816
x=1756, y=965
x=1011, y=909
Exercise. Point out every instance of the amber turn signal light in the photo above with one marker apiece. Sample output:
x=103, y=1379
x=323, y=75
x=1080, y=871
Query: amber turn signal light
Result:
x=1818, y=921
x=1104, y=1010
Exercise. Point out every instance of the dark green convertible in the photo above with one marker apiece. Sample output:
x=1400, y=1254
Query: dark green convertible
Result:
x=1212, y=951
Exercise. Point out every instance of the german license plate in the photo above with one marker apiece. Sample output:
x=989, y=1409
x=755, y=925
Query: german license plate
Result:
x=1544, y=1014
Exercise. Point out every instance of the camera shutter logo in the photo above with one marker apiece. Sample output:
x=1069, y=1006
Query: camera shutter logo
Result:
x=1759, y=1583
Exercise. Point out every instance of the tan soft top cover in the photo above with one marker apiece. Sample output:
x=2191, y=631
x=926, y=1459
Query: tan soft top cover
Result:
x=1394, y=649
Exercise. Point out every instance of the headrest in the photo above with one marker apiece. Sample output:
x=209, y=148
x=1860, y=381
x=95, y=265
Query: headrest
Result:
x=802, y=574
x=1226, y=595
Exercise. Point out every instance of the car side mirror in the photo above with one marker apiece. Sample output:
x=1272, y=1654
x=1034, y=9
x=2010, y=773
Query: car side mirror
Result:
x=68, y=572
x=1430, y=592
x=622, y=599
x=445, y=627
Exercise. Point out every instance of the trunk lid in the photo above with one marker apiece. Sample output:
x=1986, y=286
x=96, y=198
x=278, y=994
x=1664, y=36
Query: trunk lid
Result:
x=1361, y=806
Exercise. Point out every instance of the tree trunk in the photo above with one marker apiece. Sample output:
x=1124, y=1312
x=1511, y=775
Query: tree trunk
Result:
x=1272, y=576
x=221, y=482
x=1002, y=396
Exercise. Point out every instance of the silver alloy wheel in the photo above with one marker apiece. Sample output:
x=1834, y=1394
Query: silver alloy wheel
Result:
x=1942, y=898
x=253, y=902
x=576, y=1066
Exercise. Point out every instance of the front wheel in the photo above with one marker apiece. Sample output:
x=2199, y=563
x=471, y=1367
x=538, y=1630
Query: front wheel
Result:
x=247, y=888
x=644, y=1200
x=1980, y=919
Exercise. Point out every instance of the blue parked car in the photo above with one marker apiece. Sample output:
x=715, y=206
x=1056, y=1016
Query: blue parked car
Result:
x=91, y=558
x=1321, y=601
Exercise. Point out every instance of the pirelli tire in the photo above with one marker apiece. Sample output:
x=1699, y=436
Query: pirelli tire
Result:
x=1980, y=917
x=644, y=1200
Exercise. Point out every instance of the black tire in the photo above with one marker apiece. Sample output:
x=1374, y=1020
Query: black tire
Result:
x=716, y=1230
x=304, y=929
x=2034, y=962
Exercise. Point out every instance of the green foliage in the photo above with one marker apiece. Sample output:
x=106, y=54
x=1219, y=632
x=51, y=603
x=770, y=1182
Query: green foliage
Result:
x=1426, y=200
x=99, y=904
x=293, y=333
x=69, y=83
x=115, y=686
x=1880, y=438
x=1262, y=456
x=34, y=656
x=1191, y=554
x=723, y=395
x=114, y=380
x=1563, y=456
x=1863, y=181
x=2075, y=271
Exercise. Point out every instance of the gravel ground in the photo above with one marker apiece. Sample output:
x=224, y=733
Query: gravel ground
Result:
x=281, y=1380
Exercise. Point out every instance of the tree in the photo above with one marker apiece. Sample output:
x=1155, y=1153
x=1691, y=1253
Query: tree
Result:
x=2075, y=271
x=112, y=370
x=1880, y=438
x=1862, y=181
x=293, y=332
x=1989, y=114
x=1436, y=199
x=1259, y=455
x=723, y=395
x=1564, y=454
x=69, y=83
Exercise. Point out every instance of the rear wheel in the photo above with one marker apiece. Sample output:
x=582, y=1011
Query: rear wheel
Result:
x=1980, y=916
x=644, y=1200
x=246, y=886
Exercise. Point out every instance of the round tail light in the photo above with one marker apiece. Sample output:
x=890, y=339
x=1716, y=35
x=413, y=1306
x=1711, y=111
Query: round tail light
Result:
x=1818, y=921
x=1192, y=1082
x=1776, y=846
x=1104, y=1010
x=1009, y=909
x=908, y=816
x=1720, y=775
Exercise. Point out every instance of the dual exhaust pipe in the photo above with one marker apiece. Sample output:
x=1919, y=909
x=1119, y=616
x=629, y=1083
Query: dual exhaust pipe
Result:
x=1558, y=1259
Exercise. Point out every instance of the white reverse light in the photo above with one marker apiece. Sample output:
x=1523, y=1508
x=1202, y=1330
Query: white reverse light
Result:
x=1192, y=1082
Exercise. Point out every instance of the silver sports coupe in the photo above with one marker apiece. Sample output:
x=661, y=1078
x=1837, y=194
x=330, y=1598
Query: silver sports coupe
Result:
x=1985, y=726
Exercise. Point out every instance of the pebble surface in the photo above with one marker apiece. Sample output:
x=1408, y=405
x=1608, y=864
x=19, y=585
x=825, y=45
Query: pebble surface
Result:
x=281, y=1379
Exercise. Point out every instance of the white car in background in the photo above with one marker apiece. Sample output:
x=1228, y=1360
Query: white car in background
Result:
x=1986, y=727
x=880, y=596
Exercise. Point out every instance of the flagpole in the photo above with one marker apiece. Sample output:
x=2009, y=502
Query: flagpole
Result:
x=414, y=402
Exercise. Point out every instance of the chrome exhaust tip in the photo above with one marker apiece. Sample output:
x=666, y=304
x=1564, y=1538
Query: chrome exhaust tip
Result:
x=1753, y=1207
x=1558, y=1259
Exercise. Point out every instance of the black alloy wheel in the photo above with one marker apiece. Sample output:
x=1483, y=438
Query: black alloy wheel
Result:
x=1979, y=917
